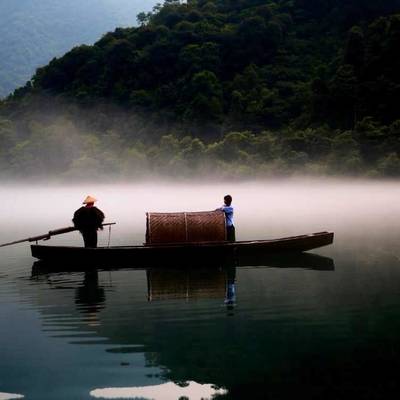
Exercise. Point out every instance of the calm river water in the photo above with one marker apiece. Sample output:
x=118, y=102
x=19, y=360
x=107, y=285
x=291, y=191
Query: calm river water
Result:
x=322, y=329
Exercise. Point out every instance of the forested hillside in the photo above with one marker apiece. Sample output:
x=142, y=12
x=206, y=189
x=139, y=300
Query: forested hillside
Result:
x=238, y=87
x=32, y=32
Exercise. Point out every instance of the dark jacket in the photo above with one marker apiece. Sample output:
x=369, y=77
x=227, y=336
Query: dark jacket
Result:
x=88, y=219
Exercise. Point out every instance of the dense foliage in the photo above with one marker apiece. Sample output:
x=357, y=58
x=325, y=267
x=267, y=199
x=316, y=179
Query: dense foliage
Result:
x=32, y=32
x=234, y=86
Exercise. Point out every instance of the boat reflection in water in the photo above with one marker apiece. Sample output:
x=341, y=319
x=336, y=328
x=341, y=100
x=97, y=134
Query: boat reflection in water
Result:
x=180, y=283
x=185, y=283
x=171, y=316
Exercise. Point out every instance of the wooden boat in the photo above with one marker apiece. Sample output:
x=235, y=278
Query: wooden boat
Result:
x=175, y=254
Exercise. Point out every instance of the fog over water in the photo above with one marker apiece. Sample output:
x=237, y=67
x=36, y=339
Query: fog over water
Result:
x=359, y=209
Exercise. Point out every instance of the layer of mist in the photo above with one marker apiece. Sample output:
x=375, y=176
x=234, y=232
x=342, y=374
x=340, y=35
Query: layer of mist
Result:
x=357, y=210
x=52, y=139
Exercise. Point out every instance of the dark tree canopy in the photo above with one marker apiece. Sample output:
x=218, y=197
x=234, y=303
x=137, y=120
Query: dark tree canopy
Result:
x=320, y=76
x=346, y=48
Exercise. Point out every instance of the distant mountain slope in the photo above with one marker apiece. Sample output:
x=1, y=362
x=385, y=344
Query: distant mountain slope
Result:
x=232, y=87
x=32, y=32
x=244, y=63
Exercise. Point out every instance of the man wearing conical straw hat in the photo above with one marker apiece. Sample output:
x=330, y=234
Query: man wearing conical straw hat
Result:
x=88, y=219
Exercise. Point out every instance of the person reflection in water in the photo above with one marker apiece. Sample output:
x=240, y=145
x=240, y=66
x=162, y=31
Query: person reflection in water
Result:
x=90, y=297
x=228, y=210
x=88, y=219
x=230, y=295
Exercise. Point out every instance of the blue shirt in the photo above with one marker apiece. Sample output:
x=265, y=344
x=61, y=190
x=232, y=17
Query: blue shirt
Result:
x=228, y=210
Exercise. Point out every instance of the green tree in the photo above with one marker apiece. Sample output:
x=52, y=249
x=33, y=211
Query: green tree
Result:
x=206, y=92
x=354, y=50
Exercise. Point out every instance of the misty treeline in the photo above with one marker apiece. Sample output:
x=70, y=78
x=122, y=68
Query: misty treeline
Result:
x=62, y=148
x=223, y=87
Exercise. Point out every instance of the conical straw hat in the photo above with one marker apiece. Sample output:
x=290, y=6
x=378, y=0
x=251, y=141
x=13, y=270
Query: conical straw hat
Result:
x=89, y=199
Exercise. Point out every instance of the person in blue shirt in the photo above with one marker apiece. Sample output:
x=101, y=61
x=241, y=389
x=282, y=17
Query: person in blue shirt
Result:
x=228, y=210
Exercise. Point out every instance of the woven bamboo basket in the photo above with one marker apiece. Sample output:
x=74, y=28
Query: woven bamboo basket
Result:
x=185, y=227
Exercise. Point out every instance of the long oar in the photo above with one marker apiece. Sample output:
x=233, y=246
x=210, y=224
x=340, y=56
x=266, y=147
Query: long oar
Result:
x=49, y=234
